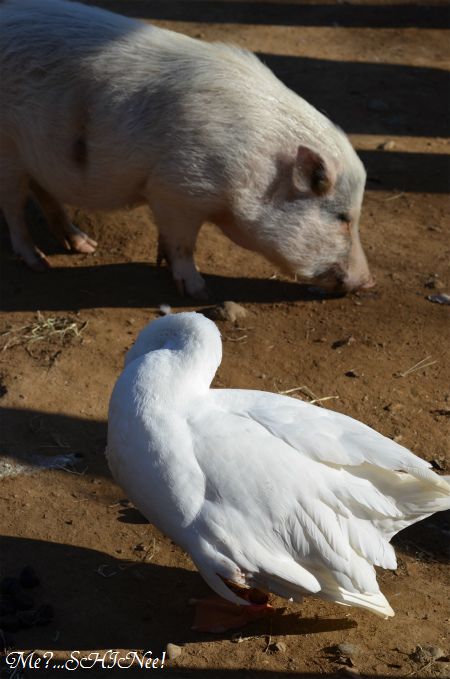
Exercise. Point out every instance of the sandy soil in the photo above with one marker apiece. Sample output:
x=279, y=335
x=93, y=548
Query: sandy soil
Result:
x=114, y=581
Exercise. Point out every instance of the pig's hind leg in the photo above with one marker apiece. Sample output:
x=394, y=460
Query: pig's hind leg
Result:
x=64, y=231
x=178, y=232
x=14, y=187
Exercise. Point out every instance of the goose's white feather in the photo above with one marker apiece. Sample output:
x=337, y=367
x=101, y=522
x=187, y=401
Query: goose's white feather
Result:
x=261, y=489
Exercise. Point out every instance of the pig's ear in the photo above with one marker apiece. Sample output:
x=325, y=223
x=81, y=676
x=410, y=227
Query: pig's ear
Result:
x=311, y=173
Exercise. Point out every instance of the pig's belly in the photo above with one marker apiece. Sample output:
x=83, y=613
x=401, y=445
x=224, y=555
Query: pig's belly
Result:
x=94, y=193
x=100, y=177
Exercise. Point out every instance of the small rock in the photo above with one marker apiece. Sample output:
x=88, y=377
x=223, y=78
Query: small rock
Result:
x=427, y=653
x=433, y=282
x=352, y=373
x=386, y=145
x=442, y=298
x=173, y=651
x=348, y=650
x=165, y=309
x=228, y=311
x=29, y=578
x=343, y=342
x=435, y=652
x=393, y=407
x=279, y=647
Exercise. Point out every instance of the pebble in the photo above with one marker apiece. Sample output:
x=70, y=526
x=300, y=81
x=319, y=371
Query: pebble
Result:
x=352, y=373
x=435, y=652
x=434, y=283
x=228, y=311
x=386, y=145
x=427, y=653
x=165, y=309
x=443, y=298
x=393, y=407
x=348, y=650
x=343, y=342
x=173, y=651
x=279, y=647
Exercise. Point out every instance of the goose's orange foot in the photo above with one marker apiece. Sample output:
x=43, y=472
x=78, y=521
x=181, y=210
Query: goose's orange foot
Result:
x=216, y=615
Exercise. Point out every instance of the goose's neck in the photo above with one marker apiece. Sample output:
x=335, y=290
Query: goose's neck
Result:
x=179, y=371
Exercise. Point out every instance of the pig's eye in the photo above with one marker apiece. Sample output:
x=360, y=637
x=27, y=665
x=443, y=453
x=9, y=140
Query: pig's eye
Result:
x=343, y=217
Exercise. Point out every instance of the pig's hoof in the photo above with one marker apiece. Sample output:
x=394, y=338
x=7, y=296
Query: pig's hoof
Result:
x=34, y=259
x=196, y=290
x=200, y=294
x=80, y=241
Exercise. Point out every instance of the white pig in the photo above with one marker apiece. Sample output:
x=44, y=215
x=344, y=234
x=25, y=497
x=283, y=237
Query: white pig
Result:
x=100, y=111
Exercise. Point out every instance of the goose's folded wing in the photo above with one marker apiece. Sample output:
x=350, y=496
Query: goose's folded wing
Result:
x=294, y=524
x=333, y=438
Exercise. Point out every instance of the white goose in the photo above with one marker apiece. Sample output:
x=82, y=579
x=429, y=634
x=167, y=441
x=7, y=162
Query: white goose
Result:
x=265, y=492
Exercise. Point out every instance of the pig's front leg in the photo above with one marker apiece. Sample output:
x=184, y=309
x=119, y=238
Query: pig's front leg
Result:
x=177, y=236
x=64, y=231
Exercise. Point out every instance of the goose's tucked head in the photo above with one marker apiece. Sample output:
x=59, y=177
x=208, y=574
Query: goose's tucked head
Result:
x=190, y=333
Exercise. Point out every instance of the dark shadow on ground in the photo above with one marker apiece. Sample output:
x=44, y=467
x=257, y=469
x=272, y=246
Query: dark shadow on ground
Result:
x=405, y=172
x=139, y=606
x=427, y=540
x=27, y=433
x=370, y=98
x=284, y=14
x=132, y=285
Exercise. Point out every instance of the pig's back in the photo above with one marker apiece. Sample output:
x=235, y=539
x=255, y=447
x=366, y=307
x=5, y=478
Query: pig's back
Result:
x=196, y=114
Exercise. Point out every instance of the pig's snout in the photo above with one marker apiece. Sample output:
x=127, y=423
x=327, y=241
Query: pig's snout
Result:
x=336, y=280
x=353, y=284
x=357, y=275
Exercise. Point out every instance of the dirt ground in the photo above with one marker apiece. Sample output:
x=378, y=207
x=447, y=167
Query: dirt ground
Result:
x=115, y=582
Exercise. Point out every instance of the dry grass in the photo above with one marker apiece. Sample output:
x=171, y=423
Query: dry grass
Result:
x=306, y=391
x=45, y=337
